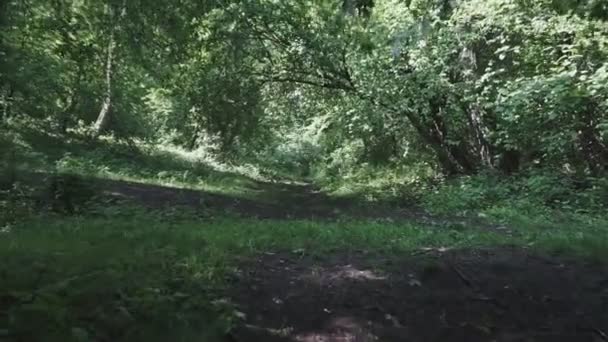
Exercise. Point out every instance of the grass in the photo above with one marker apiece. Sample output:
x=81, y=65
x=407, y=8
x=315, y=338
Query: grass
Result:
x=124, y=273
x=36, y=151
x=127, y=274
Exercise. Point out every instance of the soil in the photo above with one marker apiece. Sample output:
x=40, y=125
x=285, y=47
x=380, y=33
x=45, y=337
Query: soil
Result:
x=505, y=294
x=284, y=201
x=271, y=201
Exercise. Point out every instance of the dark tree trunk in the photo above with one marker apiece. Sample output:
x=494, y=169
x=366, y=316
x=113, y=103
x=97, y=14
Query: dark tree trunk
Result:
x=594, y=151
x=450, y=160
x=509, y=161
x=453, y=158
x=192, y=143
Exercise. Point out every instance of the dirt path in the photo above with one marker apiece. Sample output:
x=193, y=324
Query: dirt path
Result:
x=280, y=201
x=485, y=295
x=506, y=294
x=265, y=201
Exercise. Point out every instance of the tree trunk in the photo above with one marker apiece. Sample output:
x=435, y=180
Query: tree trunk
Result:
x=104, y=114
x=454, y=158
x=595, y=152
x=66, y=114
x=72, y=101
x=509, y=161
x=446, y=156
x=481, y=144
x=7, y=97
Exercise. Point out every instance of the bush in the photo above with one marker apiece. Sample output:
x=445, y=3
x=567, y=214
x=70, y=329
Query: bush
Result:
x=534, y=192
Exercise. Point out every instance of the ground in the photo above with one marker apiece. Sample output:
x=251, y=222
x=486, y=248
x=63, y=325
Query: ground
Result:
x=426, y=294
x=503, y=294
x=173, y=251
x=434, y=294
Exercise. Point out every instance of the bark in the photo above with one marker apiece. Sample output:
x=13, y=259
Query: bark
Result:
x=509, y=161
x=104, y=114
x=480, y=141
x=454, y=158
x=447, y=157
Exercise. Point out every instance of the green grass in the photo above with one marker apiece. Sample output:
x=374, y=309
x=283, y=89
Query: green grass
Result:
x=126, y=274
x=131, y=275
x=36, y=151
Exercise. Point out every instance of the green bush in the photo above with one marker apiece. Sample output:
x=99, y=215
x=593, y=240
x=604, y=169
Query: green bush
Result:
x=534, y=192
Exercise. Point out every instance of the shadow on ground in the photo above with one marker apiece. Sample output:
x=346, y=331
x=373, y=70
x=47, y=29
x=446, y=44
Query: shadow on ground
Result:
x=264, y=201
x=237, y=194
x=35, y=149
x=506, y=294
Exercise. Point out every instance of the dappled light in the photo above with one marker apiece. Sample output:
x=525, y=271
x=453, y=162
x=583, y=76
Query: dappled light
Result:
x=304, y=170
x=340, y=329
x=344, y=272
x=460, y=295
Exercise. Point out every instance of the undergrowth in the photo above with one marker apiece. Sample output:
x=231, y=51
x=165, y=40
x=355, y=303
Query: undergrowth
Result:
x=534, y=196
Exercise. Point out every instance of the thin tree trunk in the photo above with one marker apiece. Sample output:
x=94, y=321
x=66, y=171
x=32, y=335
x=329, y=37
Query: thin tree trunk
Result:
x=104, y=114
x=481, y=143
x=433, y=136
x=66, y=114
x=7, y=97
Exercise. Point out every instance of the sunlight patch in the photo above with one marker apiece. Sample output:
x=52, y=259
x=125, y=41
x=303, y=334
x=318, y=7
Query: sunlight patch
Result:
x=345, y=272
x=341, y=329
x=350, y=272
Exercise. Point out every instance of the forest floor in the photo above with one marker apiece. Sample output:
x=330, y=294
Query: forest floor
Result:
x=430, y=294
x=497, y=294
x=280, y=201
x=129, y=253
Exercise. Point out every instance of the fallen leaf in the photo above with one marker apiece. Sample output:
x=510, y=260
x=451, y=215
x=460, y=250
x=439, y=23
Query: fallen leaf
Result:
x=393, y=320
x=414, y=282
x=240, y=315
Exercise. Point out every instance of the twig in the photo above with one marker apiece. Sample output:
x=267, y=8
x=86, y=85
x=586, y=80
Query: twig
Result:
x=431, y=250
x=496, y=302
x=463, y=276
x=601, y=334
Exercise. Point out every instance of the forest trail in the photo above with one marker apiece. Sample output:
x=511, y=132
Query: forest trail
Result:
x=263, y=200
x=281, y=200
x=431, y=294
x=500, y=294
x=304, y=171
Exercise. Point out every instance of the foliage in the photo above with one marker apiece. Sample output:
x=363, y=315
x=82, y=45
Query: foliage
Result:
x=491, y=110
x=471, y=85
x=541, y=194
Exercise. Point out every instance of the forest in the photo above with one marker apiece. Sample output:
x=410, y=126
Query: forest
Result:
x=304, y=170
